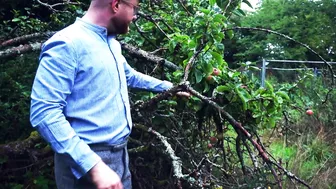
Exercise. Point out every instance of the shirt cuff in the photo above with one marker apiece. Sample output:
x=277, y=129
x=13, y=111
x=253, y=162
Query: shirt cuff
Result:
x=90, y=160
x=166, y=85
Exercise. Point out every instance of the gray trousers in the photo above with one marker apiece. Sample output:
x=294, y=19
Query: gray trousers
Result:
x=116, y=157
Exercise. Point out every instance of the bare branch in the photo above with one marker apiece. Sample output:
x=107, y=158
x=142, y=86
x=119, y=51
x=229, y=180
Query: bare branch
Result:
x=176, y=161
x=149, y=18
x=15, y=51
x=184, y=7
x=142, y=34
x=191, y=62
x=141, y=53
x=52, y=7
x=20, y=147
x=275, y=175
x=227, y=6
x=25, y=38
x=327, y=95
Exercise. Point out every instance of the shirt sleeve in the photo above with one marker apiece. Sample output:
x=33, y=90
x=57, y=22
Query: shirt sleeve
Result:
x=53, y=83
x=139, y=80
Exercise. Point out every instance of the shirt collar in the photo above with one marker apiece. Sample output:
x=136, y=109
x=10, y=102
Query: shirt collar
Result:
x=92, y=27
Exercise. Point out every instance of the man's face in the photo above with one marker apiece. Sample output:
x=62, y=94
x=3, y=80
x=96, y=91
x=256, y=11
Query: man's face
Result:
x=126, y=13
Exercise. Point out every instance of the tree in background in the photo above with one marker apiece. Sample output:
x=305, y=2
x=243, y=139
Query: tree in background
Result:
x=309, y=22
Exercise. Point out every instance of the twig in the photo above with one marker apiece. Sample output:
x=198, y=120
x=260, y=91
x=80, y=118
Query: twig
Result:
x=227, y=6
x=275, y=175
x=252, y=156
x=198, y=166
x=184, y=7
x=142, y=34
x=176, y=161
x=191, y=62
x=148, y=17
x=240, y=153
x=51, y=7
x=290, y=175
x=327, y=95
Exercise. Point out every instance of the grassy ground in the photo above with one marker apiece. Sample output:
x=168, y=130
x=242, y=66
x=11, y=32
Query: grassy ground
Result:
x=308, y=150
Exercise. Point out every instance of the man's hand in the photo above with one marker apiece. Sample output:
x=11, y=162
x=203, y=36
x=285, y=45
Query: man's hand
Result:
x=105, y=178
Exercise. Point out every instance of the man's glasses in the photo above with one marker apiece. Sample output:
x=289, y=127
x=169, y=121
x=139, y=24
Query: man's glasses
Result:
x=135, y=7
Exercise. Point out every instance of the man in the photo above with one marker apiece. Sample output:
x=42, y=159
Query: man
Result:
x=79, y=100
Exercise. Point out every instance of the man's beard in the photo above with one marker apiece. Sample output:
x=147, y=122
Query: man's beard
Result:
x=120, y=27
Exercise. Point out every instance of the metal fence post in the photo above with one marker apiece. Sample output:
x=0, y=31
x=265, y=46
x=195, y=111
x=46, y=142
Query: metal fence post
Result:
x=263, y=73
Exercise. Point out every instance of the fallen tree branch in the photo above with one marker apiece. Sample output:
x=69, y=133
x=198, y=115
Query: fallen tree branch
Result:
x=25, y=38
x=150, y=104
x=148, y=56
x=176, y=161
x=20, y=147
x=240, y=128
x=15, y=51
x=263, y=154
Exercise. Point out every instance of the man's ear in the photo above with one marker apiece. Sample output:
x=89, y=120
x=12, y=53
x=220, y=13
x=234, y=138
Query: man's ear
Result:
x=115, y=5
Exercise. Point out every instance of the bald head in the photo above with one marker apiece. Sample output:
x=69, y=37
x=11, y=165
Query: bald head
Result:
x=100, y=3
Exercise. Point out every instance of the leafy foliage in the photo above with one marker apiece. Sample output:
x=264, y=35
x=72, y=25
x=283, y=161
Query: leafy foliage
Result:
x=15, y=84
x=310, y=22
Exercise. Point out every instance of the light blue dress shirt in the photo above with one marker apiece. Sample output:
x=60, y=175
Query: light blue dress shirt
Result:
x=80, y=96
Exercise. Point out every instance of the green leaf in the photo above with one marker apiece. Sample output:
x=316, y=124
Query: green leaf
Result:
x=212, y=2
x=206, y=87
x=220, y=46
x=16, y=20
x=208, y=68
x=218, y=58
x=253, y=68
x=259, y=92
x=191, y=44
x=248, y=3
x=198, y=75
x=222, y=3
x=177, y=73
x=219, y=18
x=230, y=34
x=172, y=102
x=239, y=12
x=272, y=121
x=269, y=86
x=243, y=95
x=279, y=99
x=283, y=95
x=205, y=11
x=223, y=88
